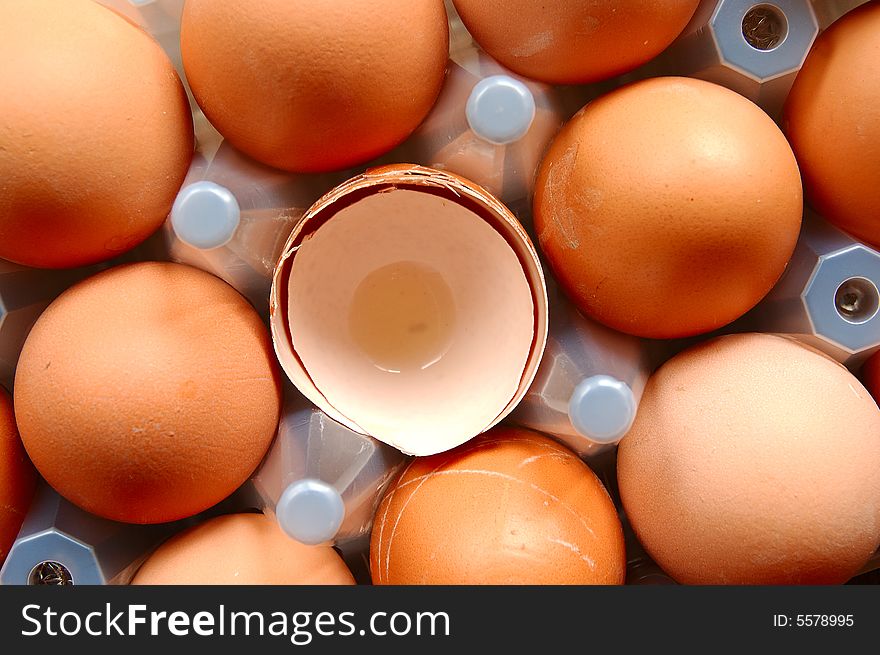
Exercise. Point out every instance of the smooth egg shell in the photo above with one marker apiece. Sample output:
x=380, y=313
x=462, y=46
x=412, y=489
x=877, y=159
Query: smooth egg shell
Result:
x=324, y=85
x=669, y=207
x=241, y=549
x=566, y=42
x=753, y=460
x=832, y=119
x=96, y=135
x=148, y=392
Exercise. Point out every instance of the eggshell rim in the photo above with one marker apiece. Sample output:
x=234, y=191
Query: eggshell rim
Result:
x=383, y=179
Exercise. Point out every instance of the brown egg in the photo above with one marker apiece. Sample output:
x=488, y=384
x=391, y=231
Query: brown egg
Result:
x=509, y=507
x=565, y=42
x=832, y=118
x=315, y=85
x=753, y=460
x=241, y=549
x=148, y=392
x=17, y=477
x=96, y=136
x=669, y=207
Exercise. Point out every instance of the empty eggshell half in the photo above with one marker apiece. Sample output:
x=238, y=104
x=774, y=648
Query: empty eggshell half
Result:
x=409, y=304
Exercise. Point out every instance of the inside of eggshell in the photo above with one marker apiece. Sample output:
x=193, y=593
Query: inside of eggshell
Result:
x=413, y=318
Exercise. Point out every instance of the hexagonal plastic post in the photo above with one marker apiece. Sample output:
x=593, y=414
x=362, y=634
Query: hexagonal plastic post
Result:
x=828, y=296
x=755, y=48
x=589, y=384
x=61, y=544
x=24, y=294
x=488, y=125
x=321, y=480
x=233, y=216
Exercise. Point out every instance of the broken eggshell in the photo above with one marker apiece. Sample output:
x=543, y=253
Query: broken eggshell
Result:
x=410, y=305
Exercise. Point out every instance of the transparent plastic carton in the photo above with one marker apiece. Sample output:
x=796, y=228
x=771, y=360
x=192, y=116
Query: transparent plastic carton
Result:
x=589, y=384
x=321, y=480
x=233, y=215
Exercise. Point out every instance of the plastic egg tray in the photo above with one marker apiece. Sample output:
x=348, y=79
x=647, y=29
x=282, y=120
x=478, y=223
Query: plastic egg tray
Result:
x=323, y=480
